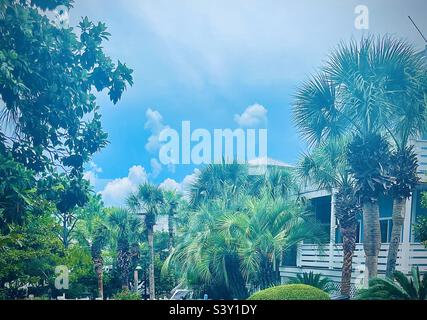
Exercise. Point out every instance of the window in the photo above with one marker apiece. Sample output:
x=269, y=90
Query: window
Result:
x=417, y=208
x=386, y=228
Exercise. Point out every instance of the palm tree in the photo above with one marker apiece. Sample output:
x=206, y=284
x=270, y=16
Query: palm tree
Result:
x=100, y=240
x=172, y=200
x=229, y=243
x=218, y=180
x=263, y=228
x=126, y=236
x=203, y=256
x=312, y=279
x=359, y=92
x=404, y=169
x=370, y=159
x=147, y=201
x=93, y=233
x=399, y=287
x=327, y=168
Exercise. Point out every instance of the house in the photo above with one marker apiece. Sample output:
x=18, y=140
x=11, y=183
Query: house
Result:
x=327, y=259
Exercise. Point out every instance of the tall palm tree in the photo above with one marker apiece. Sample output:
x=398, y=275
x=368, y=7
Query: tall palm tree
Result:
x=359, y=93
x=326, y=166
x=92, y=232
x=148, y=201
x=126, y=236
x=172, y=200
x=100, y=241
x=404, y=169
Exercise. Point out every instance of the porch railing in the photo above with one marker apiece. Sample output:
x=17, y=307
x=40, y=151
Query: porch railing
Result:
x=315, y=257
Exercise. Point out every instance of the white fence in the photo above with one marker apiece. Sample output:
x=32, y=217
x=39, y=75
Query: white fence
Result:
x=313, y=256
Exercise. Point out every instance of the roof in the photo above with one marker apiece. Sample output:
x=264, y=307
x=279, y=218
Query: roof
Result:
x=269, y=162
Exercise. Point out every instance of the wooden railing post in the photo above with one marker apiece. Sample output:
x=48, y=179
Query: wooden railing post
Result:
x=332, y=232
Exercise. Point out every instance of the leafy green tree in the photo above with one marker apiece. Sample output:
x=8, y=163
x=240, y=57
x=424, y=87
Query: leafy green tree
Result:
x=47, y=80
x=147, y=202
x=30, y=259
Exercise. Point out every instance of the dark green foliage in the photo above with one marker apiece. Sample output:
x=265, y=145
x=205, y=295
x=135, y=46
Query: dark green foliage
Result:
x=347, y=207
x=46, y=82
x=50, y=126
x=370, y=161
x=127, y=295
x=420, y=230
x=404, y=167
x=291, y=292
x=313, y=280
x=398, y=288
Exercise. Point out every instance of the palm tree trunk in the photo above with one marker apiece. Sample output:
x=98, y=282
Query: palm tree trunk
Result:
x=398, y=220
x=99, y=273
x=151, y=266
x=372, y=237
x=171, y=231
x=349, y=245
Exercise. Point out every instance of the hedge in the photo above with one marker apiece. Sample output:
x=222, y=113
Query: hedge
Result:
x=291, y=292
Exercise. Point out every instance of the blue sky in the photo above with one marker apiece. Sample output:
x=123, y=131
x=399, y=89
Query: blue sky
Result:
x=208, y=61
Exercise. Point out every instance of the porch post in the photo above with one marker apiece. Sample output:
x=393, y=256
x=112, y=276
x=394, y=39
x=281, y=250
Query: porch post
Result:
x=332, y=232
x=406, y=240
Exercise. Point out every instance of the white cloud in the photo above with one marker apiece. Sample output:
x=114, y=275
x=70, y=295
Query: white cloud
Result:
x=156, y=168
x=92, y=174
x=116, y=191
x=91, y=177
x=171, y=185
x=155, y=124
x=184, y=186
x=189, y=180
x=254, y=116
x=154, y=120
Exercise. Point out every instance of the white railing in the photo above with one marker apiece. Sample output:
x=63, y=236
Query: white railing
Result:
x=421, y=150
x=315, y=257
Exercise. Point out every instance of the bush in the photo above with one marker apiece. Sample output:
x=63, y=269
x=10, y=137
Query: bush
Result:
x=291, y=292
x=127, y=295
x=420, y=230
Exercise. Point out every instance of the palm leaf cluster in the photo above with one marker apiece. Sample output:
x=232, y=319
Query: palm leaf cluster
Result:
x=399, y=287
x=372, y=93
x=237, y=233
x=312, y=279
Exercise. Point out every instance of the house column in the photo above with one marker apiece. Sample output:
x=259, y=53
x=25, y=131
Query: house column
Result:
x=406, y=240
x=332, y=232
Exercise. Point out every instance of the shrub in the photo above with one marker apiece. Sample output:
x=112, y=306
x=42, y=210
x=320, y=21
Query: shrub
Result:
x=420, y=230
x=400, y=287
x=291, y=292
x=127, y=295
